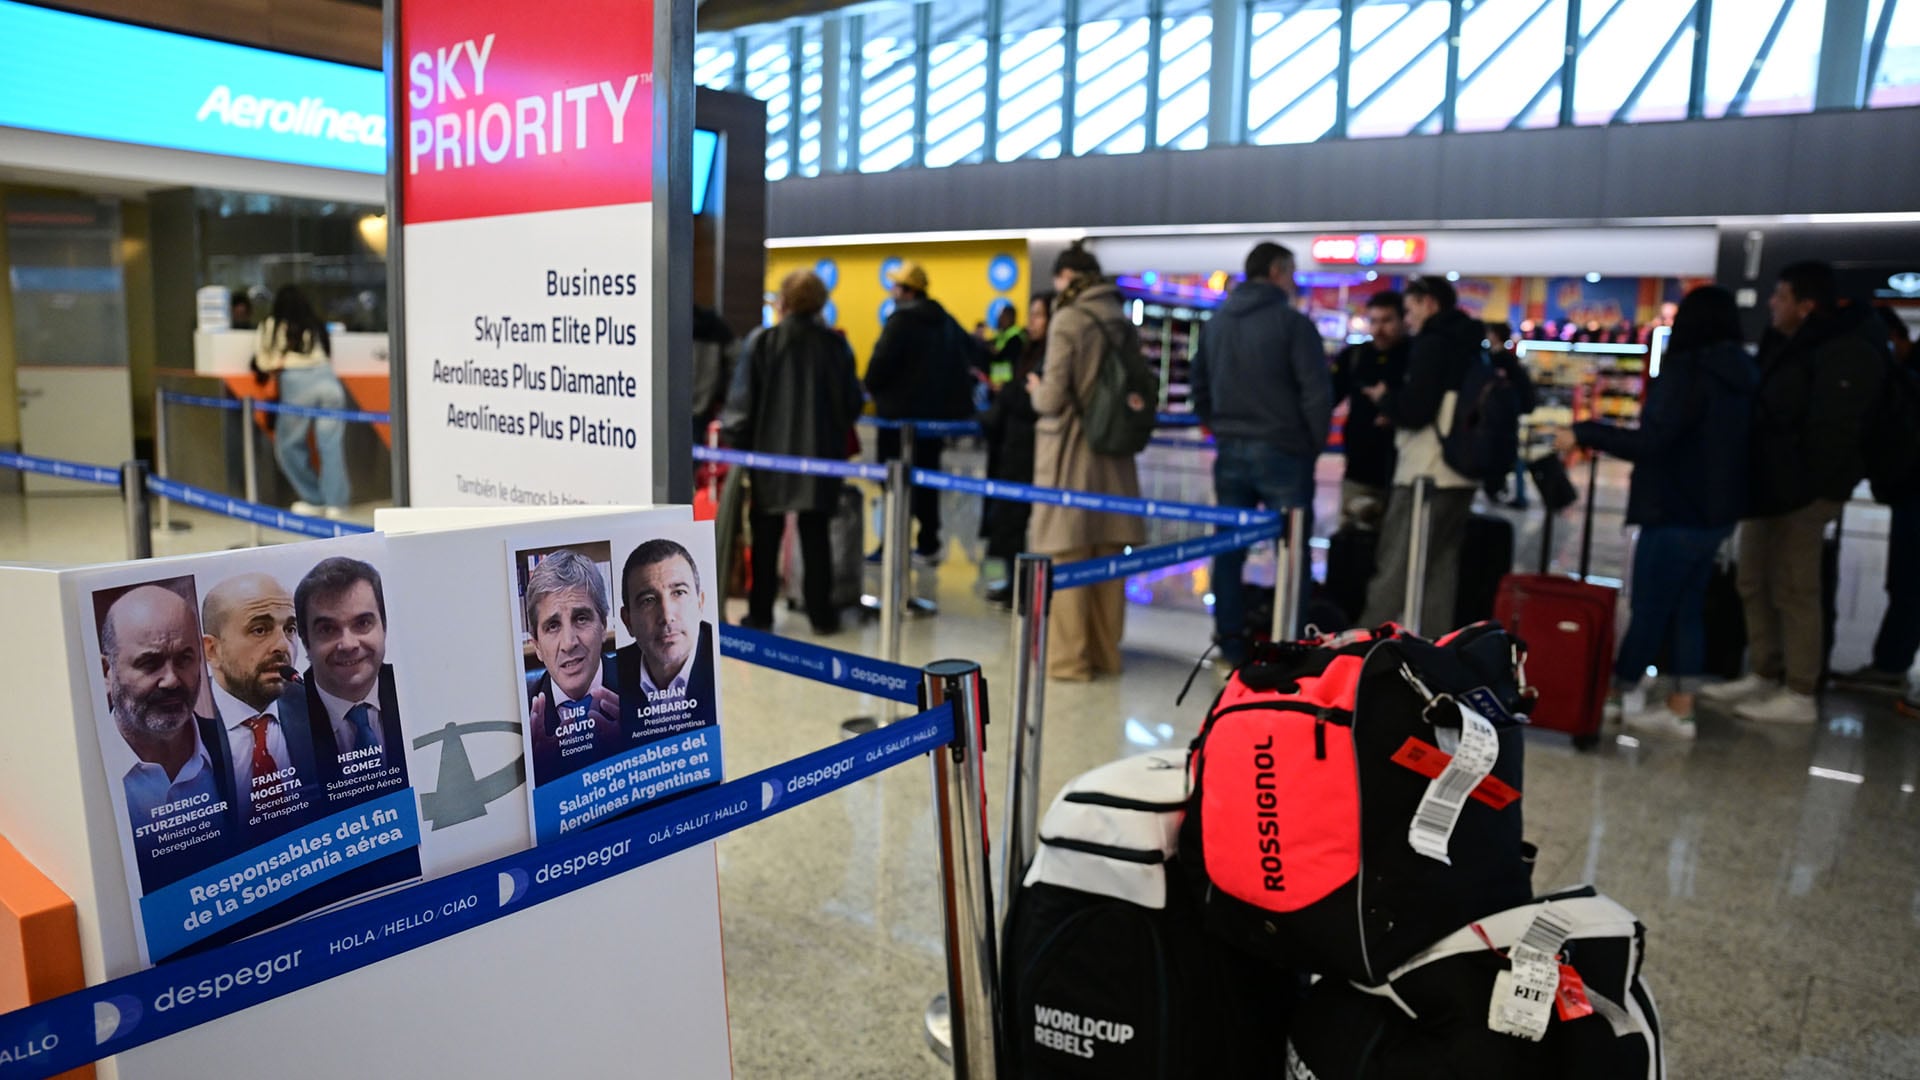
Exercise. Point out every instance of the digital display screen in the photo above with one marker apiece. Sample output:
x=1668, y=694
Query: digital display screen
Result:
x=706, y=148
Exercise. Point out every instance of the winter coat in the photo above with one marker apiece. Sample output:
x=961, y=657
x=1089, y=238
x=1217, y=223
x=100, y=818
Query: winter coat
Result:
x=1261, y=373
x=794, y=392
x=1061, y=456
x=1689, y=453
x=1817, y=391
x=922, y=366
x=1367, y=445
x=1422, y=407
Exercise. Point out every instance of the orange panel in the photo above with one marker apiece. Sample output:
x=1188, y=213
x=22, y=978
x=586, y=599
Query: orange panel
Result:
x=39, y=939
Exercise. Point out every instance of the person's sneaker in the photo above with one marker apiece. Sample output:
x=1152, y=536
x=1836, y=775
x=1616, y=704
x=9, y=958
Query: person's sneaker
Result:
x=336, y=513
x=826, y=627
x=1662, y=721
x=304, y=508
x=1744, y=688
x=1781, y=707
x=764, y=625
x=1624, y=703
x=1001, y=595
x=930, y=558
x=1873, y=679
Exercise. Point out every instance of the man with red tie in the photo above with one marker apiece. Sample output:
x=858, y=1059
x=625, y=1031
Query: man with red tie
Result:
x=247, y=629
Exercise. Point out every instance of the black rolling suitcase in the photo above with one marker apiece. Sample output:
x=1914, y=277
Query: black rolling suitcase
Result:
x=1350, y=565
x=1486, y=556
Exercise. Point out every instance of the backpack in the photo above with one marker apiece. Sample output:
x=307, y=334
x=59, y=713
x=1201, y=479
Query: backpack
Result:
x=1893, y=438
x=1119, y=414
x=1484, y=439
x=1435, y=1016
x=1106, y=972
x=1357, y=797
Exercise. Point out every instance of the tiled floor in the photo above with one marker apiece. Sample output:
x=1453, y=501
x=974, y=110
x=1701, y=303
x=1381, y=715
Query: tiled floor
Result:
x=1778, y=870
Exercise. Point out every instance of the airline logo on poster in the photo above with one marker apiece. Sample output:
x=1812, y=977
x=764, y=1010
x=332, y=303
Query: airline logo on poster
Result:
x=509, y=110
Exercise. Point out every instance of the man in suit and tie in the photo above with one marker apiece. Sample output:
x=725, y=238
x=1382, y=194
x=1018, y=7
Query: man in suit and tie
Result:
x=666, y=675
x=173, y=764
x=347, y=696
x=575, y=713
x=247, y=629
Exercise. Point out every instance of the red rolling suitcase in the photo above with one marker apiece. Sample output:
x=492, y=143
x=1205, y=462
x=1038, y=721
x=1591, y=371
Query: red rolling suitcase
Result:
x=1567, y=625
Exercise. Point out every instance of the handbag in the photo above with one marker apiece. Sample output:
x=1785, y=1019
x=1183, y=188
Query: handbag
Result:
x=1550, y=477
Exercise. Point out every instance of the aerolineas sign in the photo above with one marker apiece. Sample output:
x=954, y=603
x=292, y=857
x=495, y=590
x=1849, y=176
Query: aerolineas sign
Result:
x=74, y=75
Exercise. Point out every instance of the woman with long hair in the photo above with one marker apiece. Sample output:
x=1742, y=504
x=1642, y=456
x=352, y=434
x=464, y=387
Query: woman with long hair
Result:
x=1689, y=487
x=1087, y=622
x=293, y=341
x=794, y=392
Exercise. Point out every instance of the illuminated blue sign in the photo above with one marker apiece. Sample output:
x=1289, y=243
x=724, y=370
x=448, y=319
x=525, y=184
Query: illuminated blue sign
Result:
x=706, y=145
x=74, y=75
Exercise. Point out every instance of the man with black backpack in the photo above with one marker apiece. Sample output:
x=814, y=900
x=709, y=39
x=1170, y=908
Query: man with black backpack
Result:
x=1458, y=425
x=1261, y=382
x=921, y=369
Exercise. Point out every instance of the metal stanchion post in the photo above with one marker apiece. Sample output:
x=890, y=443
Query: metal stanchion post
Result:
x=133, y=493
x=160, y=454
x=1418, y=527
x=893, y=587
x=250, y=472
x=917, y=605
x=1290, y=576
x=1033, y=600
x=963, y=1025
x=713, y=474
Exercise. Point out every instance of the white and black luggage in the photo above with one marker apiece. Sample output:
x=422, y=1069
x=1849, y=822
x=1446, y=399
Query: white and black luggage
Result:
x=1107, y=972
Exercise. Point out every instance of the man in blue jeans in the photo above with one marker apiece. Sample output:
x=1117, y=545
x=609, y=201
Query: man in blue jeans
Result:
x=1261, y=383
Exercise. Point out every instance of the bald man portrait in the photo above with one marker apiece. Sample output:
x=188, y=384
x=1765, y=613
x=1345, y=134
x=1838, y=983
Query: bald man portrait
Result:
x=247, y=631
x=173, y=765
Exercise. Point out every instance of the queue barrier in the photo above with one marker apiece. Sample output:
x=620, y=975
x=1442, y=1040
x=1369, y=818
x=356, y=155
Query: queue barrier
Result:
x=359, y=416
x=252, y=512
x=65, y=470
x=1194, y=513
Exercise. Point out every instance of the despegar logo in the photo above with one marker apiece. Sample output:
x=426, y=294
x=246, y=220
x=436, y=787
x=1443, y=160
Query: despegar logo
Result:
x=310, y=117
x=825, y=774
x=259, y=974
x=875, y=678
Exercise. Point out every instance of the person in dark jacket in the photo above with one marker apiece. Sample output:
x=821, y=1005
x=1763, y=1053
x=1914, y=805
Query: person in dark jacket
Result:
x=1009, y=428
x=1689, y=459
x=794, y=392
x=1898, y=640
x=712, y=368
x=1513, y=371
x=1446, y=342
x=1260, y=381
x=921, y=369
x=1367, y=438
x=1818, y=382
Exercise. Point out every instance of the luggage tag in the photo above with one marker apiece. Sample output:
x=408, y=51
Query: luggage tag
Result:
x=1439, y=811
x=1523, y=995
x=1488, y=704
x=1571, y=1000
x=1430, y=761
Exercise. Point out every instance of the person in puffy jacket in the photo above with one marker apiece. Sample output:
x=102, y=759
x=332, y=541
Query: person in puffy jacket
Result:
x=1087, y=622
x=1689, y=459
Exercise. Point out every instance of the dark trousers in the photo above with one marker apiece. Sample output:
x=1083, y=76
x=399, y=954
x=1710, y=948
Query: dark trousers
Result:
x=1671, y=567
x=1899, y=636
x=1250, y=474
x=925, y=501
x=816, y=563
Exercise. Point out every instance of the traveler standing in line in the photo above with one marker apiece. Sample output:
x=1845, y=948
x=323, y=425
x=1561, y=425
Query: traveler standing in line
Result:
x=1009, y=428
x=794, y=392
x=1446, y=342
x=1819, y=379
x=1898, y=641
x=713, y=358
x=293, y=341
x=921, y=369
x=1367, y=438
x=1689, y=489
x=1514, y=371
x=1261, y=383
x=1087, y=622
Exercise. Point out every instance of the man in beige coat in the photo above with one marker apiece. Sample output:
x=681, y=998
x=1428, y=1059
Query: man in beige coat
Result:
x=1086, y=622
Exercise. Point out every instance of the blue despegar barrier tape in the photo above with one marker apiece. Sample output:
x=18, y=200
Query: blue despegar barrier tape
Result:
x=787, y=463
x=358, y=416
x=895, y=682
x=270, y=516
x=925, y=427
x=231, y=404
x=65, y=470
x=1089, y=571
x=1087, y=500
x=1177, y=419
x=87, y=1025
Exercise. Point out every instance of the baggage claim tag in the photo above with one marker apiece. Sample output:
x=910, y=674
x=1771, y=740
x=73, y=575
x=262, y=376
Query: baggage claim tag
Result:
x=1439, y=810
x=1525, y=995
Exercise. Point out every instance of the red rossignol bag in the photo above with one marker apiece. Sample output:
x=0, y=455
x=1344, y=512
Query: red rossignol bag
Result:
x=1356, y=798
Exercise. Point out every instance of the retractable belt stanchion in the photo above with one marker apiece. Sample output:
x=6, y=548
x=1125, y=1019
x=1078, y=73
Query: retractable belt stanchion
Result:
x=160, y=456
x=963, y=1025
x=133, y=492
x=1033, y=599
x=1419, y=527
x=1290, y=576
x=249, y=463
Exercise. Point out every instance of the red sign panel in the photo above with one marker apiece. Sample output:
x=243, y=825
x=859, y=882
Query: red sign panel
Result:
x=1367, y=249
x=513, y=107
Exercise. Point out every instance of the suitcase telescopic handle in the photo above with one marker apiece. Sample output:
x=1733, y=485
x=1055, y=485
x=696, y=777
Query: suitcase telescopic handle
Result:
x=1586, y=524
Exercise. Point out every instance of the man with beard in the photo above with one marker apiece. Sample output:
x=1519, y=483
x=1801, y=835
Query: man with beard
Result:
x=177, y=779
x=667, y=672
x=340, y=613
x=575, y=715
x=248, y=630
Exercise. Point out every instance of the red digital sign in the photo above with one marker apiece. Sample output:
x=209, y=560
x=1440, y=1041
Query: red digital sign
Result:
x=1367, y=249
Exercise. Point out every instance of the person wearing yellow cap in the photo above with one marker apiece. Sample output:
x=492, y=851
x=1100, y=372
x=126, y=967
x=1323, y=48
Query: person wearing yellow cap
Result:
x=921, y=369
